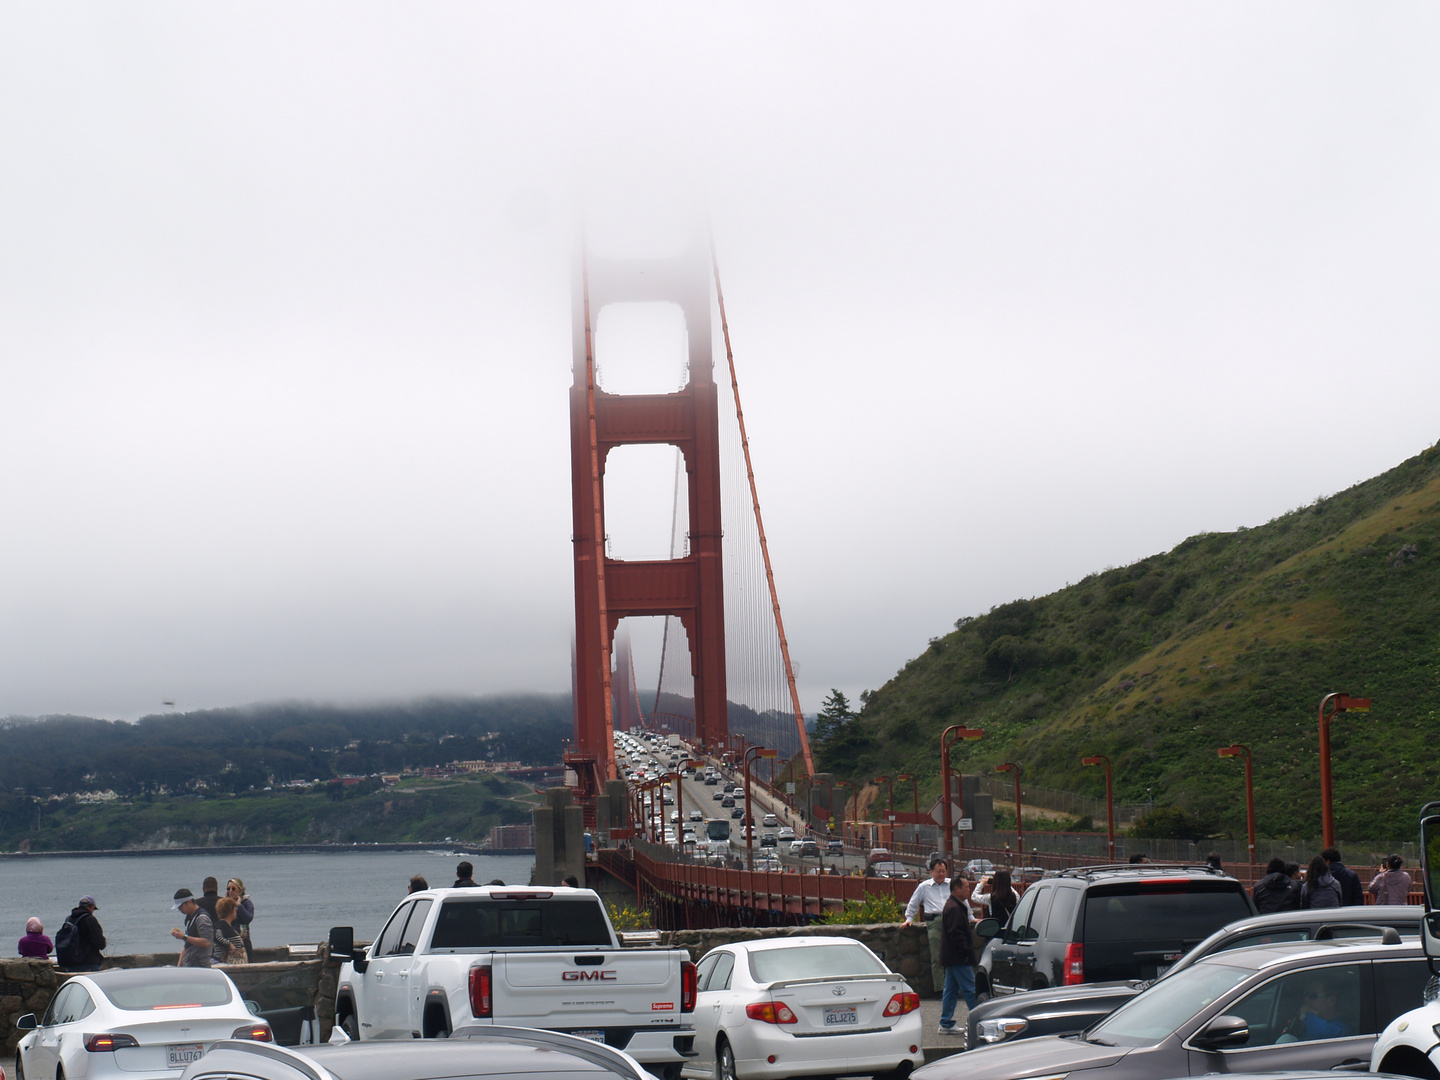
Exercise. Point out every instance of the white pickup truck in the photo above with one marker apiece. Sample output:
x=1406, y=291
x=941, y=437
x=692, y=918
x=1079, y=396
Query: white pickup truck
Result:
x=529, y=957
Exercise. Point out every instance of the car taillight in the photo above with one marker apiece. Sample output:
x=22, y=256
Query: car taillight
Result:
x=482, y=1000
x=1073, y=966
x=98, y=1044
x=900, y=1004
x=771, y=1012
x=687, y=986
x=254, y=1032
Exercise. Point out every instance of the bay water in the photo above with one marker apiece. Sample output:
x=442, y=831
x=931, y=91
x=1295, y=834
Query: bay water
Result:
x=298, y=898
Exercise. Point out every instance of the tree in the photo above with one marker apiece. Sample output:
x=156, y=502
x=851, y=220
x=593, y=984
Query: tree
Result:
x=834, y=716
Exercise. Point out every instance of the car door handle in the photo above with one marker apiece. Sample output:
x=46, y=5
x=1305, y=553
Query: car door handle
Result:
x=404, y=975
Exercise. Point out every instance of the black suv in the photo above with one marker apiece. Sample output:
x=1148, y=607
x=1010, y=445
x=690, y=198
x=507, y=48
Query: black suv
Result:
x=1097, y=923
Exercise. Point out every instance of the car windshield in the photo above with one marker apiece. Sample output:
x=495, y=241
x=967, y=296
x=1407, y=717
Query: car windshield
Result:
x=489, y=924
x=813, y=962
x=140, y=990
x=1154, y=1014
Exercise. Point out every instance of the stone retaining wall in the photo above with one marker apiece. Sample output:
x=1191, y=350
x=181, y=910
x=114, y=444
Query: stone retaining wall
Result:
x=905, y=948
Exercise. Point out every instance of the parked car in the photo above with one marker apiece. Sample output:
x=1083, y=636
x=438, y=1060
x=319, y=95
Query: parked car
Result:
x=1062, y=1010
x=1295, y=1005
x=469, y=1052
x=814, y=1006
x=1095, y=924
x=136, y=1023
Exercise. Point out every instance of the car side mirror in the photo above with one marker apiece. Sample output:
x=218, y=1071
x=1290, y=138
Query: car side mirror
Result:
x=1223, y=1032
x=27, y=1023
x=987, y=928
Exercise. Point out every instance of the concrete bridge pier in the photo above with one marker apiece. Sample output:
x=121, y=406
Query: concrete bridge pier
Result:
x=559, y=839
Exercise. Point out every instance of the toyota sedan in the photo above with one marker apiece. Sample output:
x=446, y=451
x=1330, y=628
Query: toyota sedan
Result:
x=814, y=1006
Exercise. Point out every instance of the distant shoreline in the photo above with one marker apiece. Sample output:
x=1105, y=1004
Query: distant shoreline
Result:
x=268, y=849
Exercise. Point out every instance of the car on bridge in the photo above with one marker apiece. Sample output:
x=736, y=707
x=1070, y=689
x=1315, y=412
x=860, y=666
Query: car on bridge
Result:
x=834, y=847
x=768, y=840
x=738, y=812
x=770, y=821
x=786, y=833
x=697, y=815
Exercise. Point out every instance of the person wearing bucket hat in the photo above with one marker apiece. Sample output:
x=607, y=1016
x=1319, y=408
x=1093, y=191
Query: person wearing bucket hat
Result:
x=199, y=933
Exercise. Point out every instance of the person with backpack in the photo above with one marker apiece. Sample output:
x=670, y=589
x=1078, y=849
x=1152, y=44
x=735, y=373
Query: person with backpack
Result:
x=1276, y=891
x=1320, y=890
x=81, y=939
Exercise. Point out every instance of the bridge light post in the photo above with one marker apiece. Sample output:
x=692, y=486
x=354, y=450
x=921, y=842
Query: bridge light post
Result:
x=1337, y=703
x=1101, y=759
x=948, y=736
x=749, y=823
x=843, y=785
x=1244, y=751
x=1011, y=767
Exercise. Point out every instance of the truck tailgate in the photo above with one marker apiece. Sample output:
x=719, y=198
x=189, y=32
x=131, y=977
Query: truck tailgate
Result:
x=629, y=988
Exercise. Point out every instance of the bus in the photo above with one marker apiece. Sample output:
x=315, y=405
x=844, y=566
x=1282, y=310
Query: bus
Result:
x=717, y=836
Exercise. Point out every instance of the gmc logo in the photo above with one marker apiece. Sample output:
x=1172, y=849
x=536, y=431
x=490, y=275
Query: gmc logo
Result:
x=588, y=976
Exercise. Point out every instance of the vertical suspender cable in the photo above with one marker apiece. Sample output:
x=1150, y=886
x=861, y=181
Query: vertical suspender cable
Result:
x=759, y=522
x=608, y=750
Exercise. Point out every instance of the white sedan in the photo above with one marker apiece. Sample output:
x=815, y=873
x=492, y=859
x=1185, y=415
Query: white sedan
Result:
x=813, y=1006
x=135, y=1023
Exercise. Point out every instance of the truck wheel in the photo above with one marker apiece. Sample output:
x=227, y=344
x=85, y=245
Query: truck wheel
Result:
x=351, y=1024
x=724, y=1060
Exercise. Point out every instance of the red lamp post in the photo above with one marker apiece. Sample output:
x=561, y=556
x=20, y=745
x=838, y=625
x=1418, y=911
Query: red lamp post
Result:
x=915, y=800
x=844, y=808
x=1244, y=751
x=749, y=823
x=1337, y=703
x=1101, y=759
x=948, y=736
x=1011, y=767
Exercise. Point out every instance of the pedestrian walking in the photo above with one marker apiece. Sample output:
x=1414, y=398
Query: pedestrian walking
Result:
x=1352, y=893
x=199, y=933
x=35, y=944
x=81, y=939
x=1392, y=884
x=244, y=911
x=1320, y=890
x=957, y=953
x=926, y=904
x=1276, y=891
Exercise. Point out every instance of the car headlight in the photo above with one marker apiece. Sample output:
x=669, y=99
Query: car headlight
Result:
x=994, y=1031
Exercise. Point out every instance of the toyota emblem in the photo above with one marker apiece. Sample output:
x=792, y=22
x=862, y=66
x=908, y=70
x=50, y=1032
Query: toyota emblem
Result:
x=838, y=991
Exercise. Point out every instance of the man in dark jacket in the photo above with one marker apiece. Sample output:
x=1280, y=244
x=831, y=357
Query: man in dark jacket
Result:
x=210, y=896
x=1276, y=891
x=957, y=954
x=1352, y=893
x=464, y=876
x=89, y=938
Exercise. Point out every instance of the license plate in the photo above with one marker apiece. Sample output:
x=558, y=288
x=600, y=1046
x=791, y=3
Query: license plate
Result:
x=592, y=1035
x=178, y=1055
x=835, y=1017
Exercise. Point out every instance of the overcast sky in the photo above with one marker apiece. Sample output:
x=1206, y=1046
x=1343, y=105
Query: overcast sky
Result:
x=1018, y=292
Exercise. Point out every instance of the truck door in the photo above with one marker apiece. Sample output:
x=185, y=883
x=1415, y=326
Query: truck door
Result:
x=384, y=1009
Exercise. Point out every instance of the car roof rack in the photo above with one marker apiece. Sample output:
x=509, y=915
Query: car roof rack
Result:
x=1143, y=870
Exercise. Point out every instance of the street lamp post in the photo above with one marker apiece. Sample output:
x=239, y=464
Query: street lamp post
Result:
x=749, y=823
x=891, y=785
x=1101, y=759
x=1011, y=767
x=844, y=808
x=1244, y=751
x=1338, y=703
x=948, y=736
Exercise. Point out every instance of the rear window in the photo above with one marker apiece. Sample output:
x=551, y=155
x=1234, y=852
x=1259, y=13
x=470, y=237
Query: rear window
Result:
x=813, y=962
x=494, y=924
x=140, y=990
x=1160, y=910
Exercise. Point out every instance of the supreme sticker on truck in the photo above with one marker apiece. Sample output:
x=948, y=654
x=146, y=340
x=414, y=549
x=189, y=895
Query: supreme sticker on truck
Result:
x=661, y=1006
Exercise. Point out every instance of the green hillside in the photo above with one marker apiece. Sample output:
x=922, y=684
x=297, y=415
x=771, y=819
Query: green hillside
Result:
x=1230, y=637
